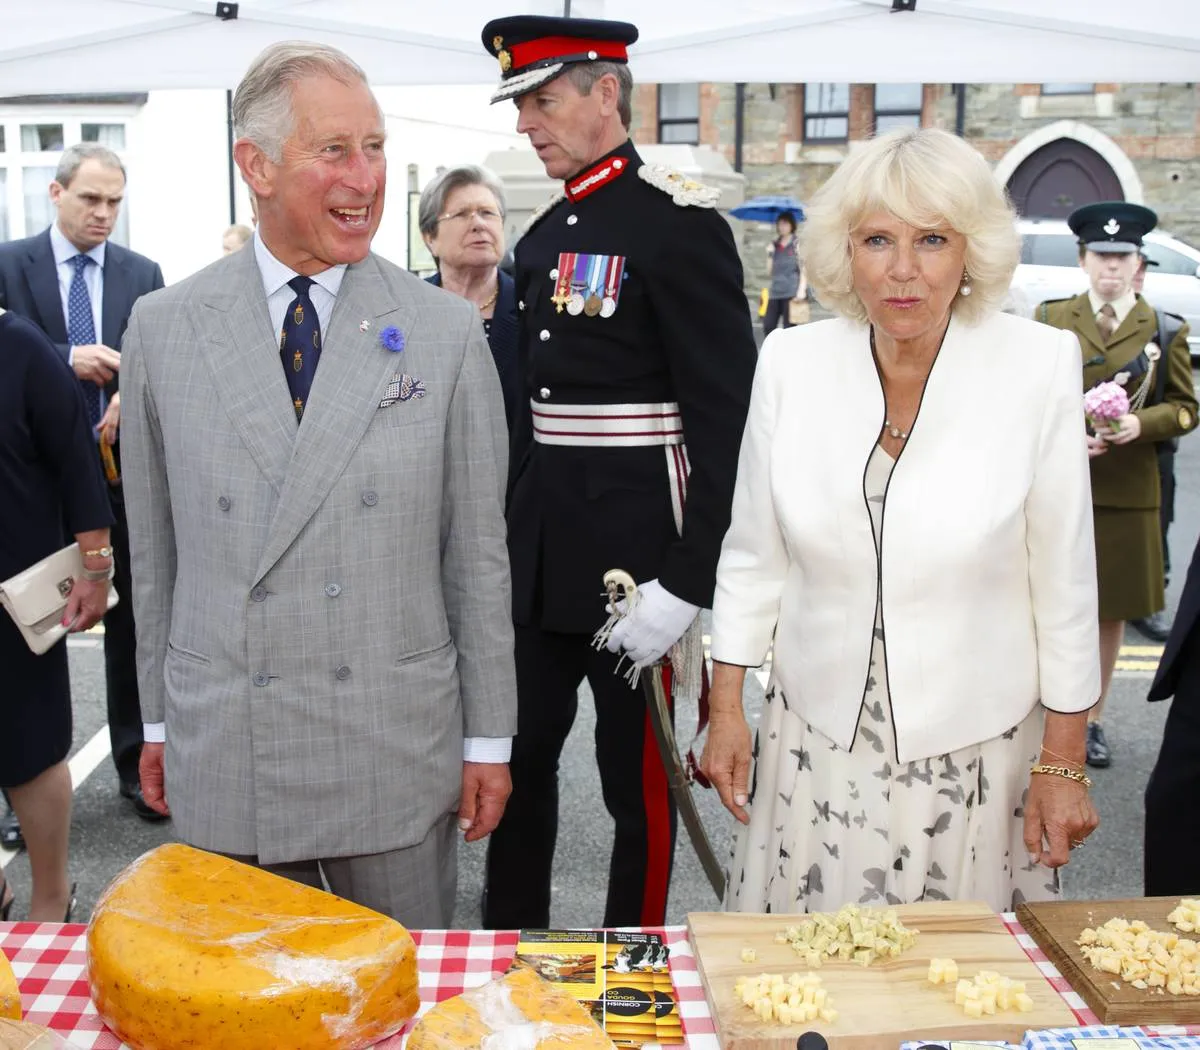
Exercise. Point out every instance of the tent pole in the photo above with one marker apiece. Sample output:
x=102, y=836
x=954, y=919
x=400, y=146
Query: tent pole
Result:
x=739, y=124
x=960, y=108
x=232, y=168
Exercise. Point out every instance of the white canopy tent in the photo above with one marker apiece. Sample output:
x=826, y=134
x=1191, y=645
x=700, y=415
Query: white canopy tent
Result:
x=74, y=46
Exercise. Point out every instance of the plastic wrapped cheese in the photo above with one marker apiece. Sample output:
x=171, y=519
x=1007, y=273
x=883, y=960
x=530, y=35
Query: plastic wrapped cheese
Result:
x=21, y=1035
x=519, y=1011
x=187, y=949
x=10, y=995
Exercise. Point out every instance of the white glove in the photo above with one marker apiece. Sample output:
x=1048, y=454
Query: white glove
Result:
x=657, y=622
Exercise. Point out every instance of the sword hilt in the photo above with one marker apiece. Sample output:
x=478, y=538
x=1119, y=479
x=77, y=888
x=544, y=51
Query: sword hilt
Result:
x=620, y=586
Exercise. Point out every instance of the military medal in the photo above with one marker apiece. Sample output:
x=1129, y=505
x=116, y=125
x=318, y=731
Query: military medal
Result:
x=575, y=304
x=562, y=284
x=614, y=271
x=578, y=278
x=595, y=281
x=592, y=305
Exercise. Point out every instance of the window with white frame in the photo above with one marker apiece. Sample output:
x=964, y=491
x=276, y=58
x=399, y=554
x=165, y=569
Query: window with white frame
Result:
x=32, y=140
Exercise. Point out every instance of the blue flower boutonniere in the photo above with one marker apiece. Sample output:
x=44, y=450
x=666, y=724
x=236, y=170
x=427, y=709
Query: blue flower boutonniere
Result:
x=391, y=338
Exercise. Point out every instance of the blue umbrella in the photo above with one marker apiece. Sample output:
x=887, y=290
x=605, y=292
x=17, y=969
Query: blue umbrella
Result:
x=768, y=209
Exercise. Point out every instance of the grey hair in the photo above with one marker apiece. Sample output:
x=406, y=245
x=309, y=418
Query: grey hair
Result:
x=433, y=197
x=585, y=74
x=262, y=103
x=73, y=157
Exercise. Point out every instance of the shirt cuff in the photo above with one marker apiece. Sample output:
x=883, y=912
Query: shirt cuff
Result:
x=487, y=749
x=154, y=732
x=71, y=356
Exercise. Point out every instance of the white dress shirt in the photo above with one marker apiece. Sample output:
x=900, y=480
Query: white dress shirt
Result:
x=93, y=277
x=323, y=293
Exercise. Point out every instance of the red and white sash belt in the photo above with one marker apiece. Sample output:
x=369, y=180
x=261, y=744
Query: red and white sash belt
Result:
x=620, y=426
x=623, y=426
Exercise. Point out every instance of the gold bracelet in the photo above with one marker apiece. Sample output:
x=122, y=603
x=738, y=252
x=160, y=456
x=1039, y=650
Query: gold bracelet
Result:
x=99, y=552
x=1064, y=771
x=1055, y=754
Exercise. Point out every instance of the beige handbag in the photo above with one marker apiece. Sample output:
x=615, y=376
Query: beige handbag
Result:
x=37, y=597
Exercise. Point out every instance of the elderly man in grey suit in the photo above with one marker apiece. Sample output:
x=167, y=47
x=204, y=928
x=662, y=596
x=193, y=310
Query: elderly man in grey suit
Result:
x=314, y=458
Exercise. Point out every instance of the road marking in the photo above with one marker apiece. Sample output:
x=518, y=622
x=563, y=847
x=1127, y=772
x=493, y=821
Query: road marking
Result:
x=82, y=764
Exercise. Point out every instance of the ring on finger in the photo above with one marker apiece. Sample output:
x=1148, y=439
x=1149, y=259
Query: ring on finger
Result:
x=1076, y=843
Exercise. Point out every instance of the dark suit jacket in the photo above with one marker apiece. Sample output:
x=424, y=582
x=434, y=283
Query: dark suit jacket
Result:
x=29, y=287
x=1178, y=650
x=502, y=340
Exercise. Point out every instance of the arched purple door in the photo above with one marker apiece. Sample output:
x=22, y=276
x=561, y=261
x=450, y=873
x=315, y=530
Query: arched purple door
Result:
x=1061, y=176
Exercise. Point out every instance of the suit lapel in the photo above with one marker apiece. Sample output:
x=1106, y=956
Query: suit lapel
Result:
x=115, y=305
x=351, y=379
x=236, y=340
x=42, y=275
x=1085, y=326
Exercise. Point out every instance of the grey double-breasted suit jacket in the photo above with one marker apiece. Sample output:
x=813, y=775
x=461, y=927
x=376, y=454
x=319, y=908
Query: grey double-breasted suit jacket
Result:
x=324, y=608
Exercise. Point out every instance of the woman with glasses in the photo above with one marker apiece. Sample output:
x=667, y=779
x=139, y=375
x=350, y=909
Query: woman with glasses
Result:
x=461, y=217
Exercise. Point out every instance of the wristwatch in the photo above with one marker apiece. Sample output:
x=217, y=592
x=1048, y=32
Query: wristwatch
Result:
x=99, y=552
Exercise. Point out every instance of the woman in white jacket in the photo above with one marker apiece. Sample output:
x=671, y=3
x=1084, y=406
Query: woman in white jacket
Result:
x=912, y=526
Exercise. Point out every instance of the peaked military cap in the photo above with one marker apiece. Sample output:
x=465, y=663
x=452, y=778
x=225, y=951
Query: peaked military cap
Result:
x=533, y=49
x=1112, y=226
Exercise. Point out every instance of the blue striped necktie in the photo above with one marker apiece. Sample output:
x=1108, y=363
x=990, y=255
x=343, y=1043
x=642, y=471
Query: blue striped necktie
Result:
x=81, y=329
x=300, y=344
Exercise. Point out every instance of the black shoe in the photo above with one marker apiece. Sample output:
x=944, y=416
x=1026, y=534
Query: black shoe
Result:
x=10, y=831
x=1156, y=627
x=1098, y=755
x=133, y=792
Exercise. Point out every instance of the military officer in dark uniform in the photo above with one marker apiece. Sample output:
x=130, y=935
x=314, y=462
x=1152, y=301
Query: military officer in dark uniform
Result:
x=638, y=359
x=1116, y=330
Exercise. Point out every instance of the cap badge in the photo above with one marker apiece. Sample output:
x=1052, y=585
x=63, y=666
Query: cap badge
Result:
x=497, y=43
x=505, y=61
x=1112, y=227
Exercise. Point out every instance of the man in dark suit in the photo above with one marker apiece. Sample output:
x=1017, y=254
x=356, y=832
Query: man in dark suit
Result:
x=1172, y=843
x=79, y=287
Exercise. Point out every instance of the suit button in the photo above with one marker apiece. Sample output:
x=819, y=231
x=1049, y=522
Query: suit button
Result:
x=332, y=590
x=544, y=335
x=370, y=497
x=223, y=502
x=544, y=393
x=261, y=678
x=521, y=305
x=342, y=673
x=554, y=274
x=259, y=594
x=572, y=220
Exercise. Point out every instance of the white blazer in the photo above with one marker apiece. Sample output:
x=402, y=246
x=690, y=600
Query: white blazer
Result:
x=987, y=568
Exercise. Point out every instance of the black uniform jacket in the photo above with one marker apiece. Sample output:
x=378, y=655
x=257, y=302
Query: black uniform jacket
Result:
x=680, y=332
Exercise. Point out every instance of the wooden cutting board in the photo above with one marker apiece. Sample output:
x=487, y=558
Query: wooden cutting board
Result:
x=883, y=1004
x=1056, y=925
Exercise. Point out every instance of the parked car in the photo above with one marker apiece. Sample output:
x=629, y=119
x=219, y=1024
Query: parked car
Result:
x=1049, y=269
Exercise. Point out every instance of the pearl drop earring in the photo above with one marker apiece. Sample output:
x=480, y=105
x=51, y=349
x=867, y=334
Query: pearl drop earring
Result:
x=965, y=288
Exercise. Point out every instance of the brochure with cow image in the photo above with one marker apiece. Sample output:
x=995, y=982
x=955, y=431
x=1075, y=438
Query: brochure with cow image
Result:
x=622, y=979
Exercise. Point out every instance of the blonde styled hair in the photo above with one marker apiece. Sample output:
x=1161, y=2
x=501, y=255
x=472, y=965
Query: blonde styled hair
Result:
x=925, y=178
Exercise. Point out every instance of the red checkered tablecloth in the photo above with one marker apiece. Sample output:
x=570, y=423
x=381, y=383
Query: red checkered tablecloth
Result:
x=51, y=966
x=50, y=962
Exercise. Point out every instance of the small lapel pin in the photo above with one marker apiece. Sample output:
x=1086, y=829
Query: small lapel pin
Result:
x=364, y=326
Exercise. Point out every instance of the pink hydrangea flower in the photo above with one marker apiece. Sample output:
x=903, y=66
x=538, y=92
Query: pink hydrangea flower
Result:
x=1104, y=404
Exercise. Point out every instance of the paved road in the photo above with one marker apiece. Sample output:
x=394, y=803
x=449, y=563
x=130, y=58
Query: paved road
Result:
x=106, y=835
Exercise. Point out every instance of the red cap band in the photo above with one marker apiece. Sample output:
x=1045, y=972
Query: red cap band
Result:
x=551, y=47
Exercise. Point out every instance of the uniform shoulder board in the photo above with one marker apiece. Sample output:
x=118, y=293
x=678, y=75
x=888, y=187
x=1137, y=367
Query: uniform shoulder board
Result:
x=540, y=213
x=682, y=190
x=1043, y=308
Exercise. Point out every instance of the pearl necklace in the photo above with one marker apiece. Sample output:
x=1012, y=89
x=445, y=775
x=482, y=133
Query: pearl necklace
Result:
x=895, y=431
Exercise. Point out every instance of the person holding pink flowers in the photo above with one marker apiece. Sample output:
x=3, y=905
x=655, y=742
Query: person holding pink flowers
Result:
x=912, y=527
x=1138, y=392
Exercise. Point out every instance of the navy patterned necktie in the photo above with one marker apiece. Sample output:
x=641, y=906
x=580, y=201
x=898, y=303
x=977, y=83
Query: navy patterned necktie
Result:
x=300, y=344
x=81, y=328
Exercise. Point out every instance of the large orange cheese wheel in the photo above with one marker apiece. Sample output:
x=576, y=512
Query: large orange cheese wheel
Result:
x=187, y=949
x=520, y=1009
x=10, y=995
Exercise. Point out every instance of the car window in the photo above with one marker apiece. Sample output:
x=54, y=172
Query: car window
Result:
x=1169, y=260
x=1050, y=249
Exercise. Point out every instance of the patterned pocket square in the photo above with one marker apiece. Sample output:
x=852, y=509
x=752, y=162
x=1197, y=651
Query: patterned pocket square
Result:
x=403, y=387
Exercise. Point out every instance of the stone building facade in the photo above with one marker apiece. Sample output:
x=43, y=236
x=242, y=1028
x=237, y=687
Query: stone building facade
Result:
x=1055, y=146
